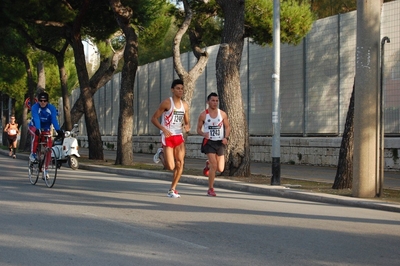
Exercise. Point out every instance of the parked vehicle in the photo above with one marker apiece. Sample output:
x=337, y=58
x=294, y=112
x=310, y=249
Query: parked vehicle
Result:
x=66, y=148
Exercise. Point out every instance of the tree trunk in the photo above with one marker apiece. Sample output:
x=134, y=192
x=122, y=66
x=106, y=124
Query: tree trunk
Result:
x=189, y=78
x=64, y=88
x=103, y=74
x=92, y=124
x=344, y=173
x=4, y=117
x=228, y=84
x=41, y=84
x=60, y=56
x=125, y=120
x=25, y=138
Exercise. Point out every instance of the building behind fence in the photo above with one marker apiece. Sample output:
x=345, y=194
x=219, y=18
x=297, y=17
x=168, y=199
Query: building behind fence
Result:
x=316, y=78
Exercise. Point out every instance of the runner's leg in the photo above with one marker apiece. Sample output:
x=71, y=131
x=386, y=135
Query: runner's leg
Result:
x=179, y=154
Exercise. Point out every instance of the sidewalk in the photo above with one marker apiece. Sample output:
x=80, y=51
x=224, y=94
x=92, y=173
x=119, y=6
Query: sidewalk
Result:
x=312, y=173
x=303, y=172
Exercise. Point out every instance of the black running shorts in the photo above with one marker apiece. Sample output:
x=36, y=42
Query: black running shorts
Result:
x=213, y=146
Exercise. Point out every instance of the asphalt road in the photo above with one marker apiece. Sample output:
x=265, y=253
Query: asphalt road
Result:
x=94, y=218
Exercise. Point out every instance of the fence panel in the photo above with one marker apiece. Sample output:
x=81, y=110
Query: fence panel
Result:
x=391, y=68
x=292, y=89
x=316, y=78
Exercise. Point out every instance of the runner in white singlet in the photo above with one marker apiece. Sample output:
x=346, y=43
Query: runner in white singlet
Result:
x=174, y=113
x=214, y=126
x=12, y=132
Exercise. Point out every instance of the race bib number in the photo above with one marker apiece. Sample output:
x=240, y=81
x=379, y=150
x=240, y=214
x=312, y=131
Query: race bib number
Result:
x=215, y=132
x=178, y=119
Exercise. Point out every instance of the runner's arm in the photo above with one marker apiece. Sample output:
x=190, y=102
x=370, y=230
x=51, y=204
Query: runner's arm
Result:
x=200, y=123
x=164, y=105
x=54, y=120
x=186, y=117
x=227, y=126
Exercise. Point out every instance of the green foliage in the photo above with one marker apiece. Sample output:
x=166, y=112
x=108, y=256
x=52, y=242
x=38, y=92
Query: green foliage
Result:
x=207, y=22
x=211, y=30
x=155, y=40
x=326, y=8
x=15, y=89
x=160, y=46
x=52, y=74
x=72, y=81
x=156, y=31
x=117, y=43
x=148, y=11
x=13, y=78
x=12, y=70
x=296, y=21
x=259, y=21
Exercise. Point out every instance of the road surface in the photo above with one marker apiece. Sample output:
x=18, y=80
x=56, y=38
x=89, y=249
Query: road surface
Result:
x=92, y=218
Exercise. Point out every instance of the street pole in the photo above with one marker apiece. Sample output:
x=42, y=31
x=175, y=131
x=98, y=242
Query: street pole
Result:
x=276, y=113
x=382, y=120
x=366, y=107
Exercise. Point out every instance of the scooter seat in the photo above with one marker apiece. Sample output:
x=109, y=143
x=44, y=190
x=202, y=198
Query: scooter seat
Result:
x=58, y=142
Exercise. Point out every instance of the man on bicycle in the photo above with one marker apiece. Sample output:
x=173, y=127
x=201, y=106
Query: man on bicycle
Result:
x=44, y=115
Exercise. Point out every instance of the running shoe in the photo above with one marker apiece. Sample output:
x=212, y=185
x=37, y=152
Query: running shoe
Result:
x=14, y=156
x=33, y=157
x=173, y=194
x=211, y=192
x=206, y=170
x=10, y=154
x=156, y=157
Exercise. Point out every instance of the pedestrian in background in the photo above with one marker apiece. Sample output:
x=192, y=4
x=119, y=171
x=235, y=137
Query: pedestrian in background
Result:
x=12, y=132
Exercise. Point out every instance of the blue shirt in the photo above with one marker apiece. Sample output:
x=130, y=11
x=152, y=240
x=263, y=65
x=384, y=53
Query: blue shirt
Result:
x=42, y=118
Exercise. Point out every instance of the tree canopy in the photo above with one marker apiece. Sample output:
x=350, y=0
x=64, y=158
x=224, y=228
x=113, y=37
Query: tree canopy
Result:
x=296, y=21
x=326, y=8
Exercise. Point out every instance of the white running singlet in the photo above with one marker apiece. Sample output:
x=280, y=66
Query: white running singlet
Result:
x=173, y=119
x=214, y=126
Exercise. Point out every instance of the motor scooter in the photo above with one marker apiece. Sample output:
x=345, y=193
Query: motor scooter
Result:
x=66, y=148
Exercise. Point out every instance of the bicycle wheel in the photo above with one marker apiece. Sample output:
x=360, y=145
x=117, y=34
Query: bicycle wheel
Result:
x=33, y=172
x=50, y=172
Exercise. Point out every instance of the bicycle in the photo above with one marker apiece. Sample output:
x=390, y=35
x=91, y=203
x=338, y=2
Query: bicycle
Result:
x=46, y=162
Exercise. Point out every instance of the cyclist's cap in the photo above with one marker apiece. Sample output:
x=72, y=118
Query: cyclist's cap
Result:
x=43, y=96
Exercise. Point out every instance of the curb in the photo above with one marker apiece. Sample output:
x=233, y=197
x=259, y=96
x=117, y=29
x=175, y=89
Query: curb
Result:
x=276, y=191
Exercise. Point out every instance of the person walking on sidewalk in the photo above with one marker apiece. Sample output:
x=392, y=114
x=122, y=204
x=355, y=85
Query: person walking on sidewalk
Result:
x=174, y=113
x=213, y=125
x=44, y=115
x=12, y=132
